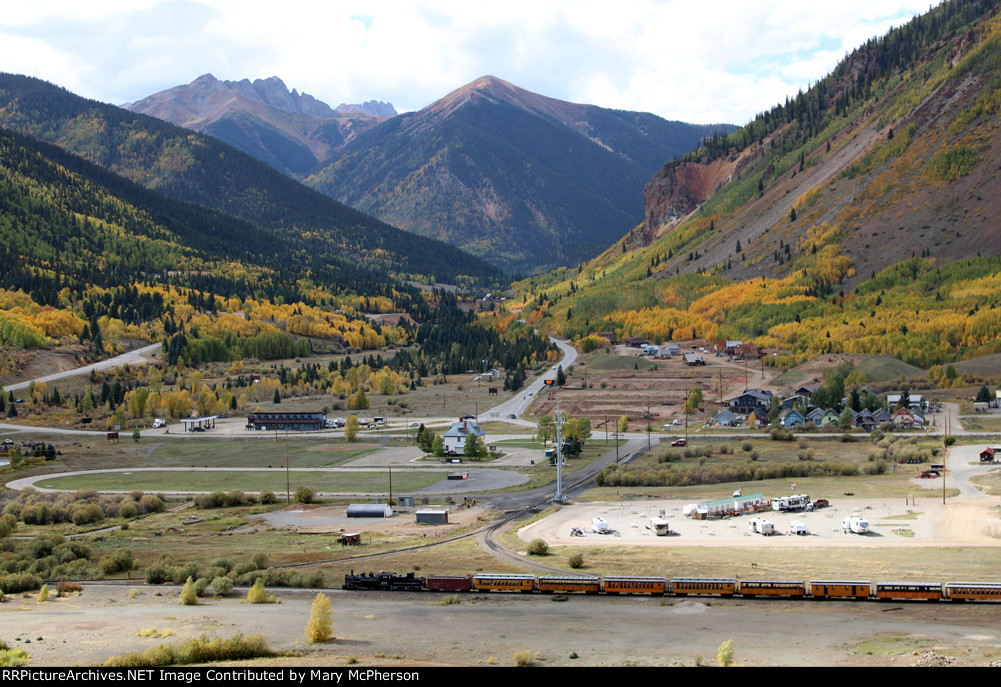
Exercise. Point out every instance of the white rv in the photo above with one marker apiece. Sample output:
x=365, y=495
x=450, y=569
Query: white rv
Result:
x=660, y=526
x=600, y=526
x=762, y=526
x=855, y=525
x=786, y=503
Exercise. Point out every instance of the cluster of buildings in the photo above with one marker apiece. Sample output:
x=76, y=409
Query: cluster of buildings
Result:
x=737, y=350
x=454, y=438
x=752, y=408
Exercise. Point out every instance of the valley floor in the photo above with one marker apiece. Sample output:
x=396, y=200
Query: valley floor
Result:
x=400, y=629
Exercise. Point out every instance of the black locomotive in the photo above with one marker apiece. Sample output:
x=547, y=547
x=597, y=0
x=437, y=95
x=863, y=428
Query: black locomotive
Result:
x=384, y=581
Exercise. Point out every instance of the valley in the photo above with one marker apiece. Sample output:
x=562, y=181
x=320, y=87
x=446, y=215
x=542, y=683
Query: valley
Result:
x=222, y=341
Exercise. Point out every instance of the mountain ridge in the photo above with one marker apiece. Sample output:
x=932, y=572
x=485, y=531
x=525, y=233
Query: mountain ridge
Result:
x=196, y=168
x=287, y=130
x=860, y=216
x=518, y=178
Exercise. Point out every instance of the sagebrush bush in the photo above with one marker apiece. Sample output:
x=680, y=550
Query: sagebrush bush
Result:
x=189, y=596
x=199, y=650
x=257, y=594
x=538, y=547
x=222, y=586
x=525, y=658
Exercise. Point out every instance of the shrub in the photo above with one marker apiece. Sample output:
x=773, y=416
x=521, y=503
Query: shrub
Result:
x=66, y=587
x=158, y=573
x=150, y=504
x=200, y=650
x=201, y=584
x=189, y=597
x=724, y=655
x=222, y=586
x=525, y=658
x=13, y=658
x=257, y=594
x=320, y=627
x=15, y=583
x=304, y=495
x=43, y=593
x=268, y=497
x=538, y=547
x=576, y=560
x=778, y=434
x=119, y=561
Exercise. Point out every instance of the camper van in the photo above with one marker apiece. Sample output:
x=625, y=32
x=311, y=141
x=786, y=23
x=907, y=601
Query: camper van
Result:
x=855, y=525
x=797, y=527
x=600, y=526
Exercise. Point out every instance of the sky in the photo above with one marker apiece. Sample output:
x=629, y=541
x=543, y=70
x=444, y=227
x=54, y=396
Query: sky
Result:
x=714, y=61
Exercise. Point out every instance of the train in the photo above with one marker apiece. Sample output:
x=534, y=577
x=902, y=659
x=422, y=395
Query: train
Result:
x=728, y=587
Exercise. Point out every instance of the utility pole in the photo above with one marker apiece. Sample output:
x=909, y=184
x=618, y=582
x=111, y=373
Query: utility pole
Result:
x=560, y=419
x=648, y=427
x=688, y=393
x=945, y=452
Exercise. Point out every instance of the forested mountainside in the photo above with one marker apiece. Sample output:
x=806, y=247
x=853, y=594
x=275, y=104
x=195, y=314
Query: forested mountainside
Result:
x=524, y=181
x=180, y=164
x=90, y=261
x=863, y=215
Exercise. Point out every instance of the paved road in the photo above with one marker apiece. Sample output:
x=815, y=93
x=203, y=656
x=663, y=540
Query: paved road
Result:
x=125, y=358
x=519, y=404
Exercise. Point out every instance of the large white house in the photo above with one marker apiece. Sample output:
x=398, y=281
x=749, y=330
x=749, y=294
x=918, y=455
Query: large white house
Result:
x=455, y=437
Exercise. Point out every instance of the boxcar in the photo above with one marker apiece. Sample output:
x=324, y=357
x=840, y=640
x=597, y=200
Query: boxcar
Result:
x=932, y=591
x=711, y=586
x=636, y=585
x=449, y=583
x=973, y=591
x=587, y=584
x=753, y=588
x=504, y=583
x=840, y=589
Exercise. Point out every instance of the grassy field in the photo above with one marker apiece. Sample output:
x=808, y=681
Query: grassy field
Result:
x=252, y=481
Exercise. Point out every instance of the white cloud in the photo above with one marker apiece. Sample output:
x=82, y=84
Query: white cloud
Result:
x=713, y=61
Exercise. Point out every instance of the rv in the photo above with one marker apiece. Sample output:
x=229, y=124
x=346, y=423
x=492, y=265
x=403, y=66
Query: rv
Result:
x=159, y=422
x=786, y=503
x=660, y=526
x=855, y=525
x=762, y=526
x=600, y=526
x=797, y=527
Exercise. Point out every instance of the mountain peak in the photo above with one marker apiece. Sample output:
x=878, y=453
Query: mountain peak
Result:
x=370, y=107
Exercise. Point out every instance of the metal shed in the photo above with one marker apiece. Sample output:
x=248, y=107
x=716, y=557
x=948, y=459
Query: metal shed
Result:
x=432, y=516
x=370, y=510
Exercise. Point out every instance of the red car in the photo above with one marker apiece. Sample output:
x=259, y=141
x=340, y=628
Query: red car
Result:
x=679, y=442
x=821, y=503
x=929, y=473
